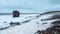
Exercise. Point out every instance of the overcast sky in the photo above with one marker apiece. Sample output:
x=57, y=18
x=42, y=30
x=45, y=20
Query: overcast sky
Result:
x=28, y=6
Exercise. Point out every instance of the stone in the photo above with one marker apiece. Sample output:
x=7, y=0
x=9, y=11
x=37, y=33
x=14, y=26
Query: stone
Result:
x=16, y=13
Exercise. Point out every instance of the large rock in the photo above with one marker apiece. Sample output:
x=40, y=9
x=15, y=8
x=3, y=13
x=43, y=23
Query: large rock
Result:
x=16, y=13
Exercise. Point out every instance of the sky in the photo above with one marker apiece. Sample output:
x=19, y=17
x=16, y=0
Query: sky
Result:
x=29, y=6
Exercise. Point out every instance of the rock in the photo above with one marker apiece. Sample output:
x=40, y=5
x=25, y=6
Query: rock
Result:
x=55, y=24
x=14, y=23
x=16, y=13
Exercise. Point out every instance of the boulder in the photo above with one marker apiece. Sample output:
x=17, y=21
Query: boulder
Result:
x=16, y=13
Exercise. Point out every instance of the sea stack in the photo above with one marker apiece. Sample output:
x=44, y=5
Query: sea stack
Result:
x=16, y=13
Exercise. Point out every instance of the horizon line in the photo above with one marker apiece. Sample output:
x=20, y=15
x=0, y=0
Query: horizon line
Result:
x=20, y=13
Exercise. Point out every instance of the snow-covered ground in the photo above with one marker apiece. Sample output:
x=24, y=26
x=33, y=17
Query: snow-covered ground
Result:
x=29, y=24
x=24, y=28
x=6, y=19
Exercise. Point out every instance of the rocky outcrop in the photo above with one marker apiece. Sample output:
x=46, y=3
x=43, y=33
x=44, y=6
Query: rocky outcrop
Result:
x=55, y=29
x=16, y=13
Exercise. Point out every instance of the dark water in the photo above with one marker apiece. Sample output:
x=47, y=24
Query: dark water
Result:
x=20, y=13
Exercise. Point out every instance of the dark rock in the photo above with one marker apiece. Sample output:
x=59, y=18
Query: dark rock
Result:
x=57, y=16
x=14, y=23
x=56, y=22
x=16, y=13
x=5, y=22
x=38, y=31
x=4, y=28
x=44, y=23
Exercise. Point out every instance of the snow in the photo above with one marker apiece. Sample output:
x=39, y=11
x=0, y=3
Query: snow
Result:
x=21, y=29
x=25, y=28
x=9, y=18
